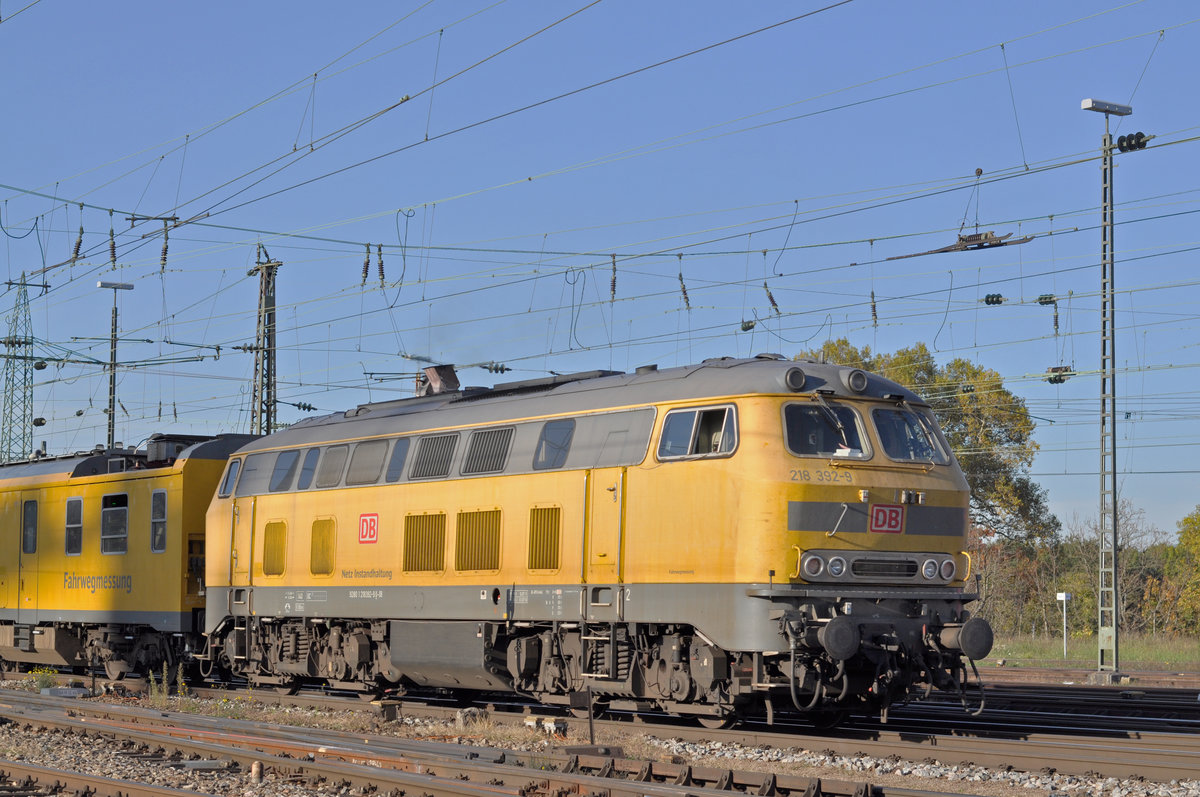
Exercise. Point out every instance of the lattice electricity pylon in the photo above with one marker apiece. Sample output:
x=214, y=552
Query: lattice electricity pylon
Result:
x=16, y=427
x=263, y=406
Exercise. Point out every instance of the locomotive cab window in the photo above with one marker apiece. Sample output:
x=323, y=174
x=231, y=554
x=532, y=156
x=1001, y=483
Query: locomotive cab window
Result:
x=908, y=436
x=230, y=479
x=158, y=521
x=709, y=432
x=74, y=527
x=284, y=472
x=824, y=429
x=114, y=523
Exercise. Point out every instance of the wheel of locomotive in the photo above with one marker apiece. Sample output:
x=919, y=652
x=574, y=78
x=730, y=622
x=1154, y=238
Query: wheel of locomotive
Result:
x=599, y=709
x=115, y=670
x=289, y=687
x=716, y=722
x=827, y=719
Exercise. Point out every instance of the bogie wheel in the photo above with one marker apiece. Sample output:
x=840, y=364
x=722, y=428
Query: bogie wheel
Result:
x=599, y=708
x=115, y=670
x=716, y=722
x=288, y=687
x=827, y=719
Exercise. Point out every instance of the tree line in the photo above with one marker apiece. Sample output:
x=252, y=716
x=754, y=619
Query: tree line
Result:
x=1020, y=548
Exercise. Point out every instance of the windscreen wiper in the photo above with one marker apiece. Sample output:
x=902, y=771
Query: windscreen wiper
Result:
x=831, y=417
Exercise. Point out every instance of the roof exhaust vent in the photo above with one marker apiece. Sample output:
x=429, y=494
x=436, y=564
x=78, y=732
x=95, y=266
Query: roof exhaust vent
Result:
x=438, y=379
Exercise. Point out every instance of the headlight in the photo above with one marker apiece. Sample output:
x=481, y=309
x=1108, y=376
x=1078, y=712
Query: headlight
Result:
x=949, y=569
x=837, y=566
x=929, y=569
x=814, y=566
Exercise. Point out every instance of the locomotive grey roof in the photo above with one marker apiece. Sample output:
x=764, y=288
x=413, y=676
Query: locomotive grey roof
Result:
x=577, y=393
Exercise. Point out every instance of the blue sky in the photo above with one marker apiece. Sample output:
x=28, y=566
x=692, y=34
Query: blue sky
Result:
x=711, y=147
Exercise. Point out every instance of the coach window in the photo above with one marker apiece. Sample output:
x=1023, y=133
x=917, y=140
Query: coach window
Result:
x=158, y=521
x=255, y=477
x=284, y=472
x=367, y=462
x=308, y=468
x=29, y=527
x=395, y=468
x=114, y=523
x=553, y=445
x=230, y=479
x=825, y=429
x=329, y=474
x=709, y=432
x=74, y=526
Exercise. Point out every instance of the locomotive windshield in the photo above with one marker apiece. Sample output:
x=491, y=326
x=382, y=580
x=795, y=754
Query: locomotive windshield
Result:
x=907, y=436
x=823, y=430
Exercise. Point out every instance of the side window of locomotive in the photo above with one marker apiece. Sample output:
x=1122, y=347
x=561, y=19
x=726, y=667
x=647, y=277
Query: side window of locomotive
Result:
x=230, y=479
x=432, y=460
x=829, y=430
x=367, y=462
x=74, y=527
x=907, y=437
x=553, y=445
x=255, y=478
x=487, y=451
x=29, y=527
x=114, y=523
x=698, y=433
x=329, y=474
x=395, y=468
x=284, y=471
x=309, y=468
x=158, y=521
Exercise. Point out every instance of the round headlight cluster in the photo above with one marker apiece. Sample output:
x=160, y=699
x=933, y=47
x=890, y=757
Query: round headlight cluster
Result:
x=929, y=569
x=837, y=567
x=813, y=566
x=949, y=569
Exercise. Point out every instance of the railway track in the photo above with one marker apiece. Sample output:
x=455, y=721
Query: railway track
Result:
x=1154, y=746
x=337, y=760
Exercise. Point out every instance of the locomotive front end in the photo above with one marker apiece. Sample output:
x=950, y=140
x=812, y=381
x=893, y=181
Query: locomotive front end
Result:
x=879, y=577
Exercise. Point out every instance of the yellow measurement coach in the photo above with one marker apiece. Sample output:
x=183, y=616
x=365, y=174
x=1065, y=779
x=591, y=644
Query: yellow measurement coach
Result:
x=103, y=559
x=713, y=540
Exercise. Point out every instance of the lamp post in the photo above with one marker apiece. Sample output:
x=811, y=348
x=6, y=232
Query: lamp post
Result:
x=1108, y=607
x=112, y=359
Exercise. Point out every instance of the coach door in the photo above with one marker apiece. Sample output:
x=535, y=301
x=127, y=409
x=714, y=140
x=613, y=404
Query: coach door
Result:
x=242, y=541
x=27, y=560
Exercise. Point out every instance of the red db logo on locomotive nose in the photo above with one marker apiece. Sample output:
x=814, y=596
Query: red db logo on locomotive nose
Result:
x=368, y=528
x=887, y=518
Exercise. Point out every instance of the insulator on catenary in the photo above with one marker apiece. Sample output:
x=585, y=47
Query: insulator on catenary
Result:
x=771, y=299
x=78, y=245
x=366, y=264
x=112, y=246
x=612, y=288
x=163, y=263
x=379, y=262
x=874, y=315
x=683, y=288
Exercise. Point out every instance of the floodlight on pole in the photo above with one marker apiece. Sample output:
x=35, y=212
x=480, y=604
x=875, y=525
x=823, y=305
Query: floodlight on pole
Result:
x=1100, y=106
x=112, y=359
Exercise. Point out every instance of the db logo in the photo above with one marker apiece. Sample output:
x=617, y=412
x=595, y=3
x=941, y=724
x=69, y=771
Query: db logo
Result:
x=368, y=528
x=887, y=518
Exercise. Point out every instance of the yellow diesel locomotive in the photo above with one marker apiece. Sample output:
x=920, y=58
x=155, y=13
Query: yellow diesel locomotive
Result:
x=707, y=540
x=103, y=559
